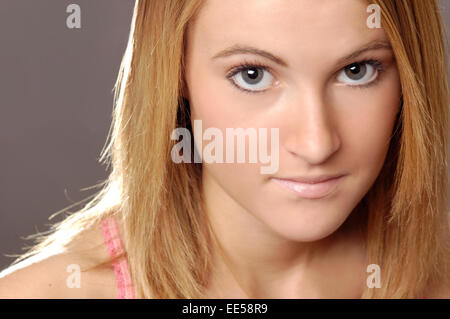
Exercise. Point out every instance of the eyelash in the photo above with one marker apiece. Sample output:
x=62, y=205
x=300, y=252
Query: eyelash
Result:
x=254, y=64
x=377, y=65
x=245, y=66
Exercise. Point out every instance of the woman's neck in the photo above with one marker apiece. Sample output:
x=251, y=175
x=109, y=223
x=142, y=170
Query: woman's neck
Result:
x=254, y=262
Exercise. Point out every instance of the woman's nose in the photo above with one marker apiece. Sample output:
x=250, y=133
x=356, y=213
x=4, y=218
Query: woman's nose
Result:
x=311, y=132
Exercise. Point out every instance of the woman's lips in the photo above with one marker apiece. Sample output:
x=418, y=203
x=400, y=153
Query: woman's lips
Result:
x=308, y=190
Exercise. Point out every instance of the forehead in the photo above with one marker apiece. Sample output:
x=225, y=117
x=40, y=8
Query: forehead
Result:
x=288, y=28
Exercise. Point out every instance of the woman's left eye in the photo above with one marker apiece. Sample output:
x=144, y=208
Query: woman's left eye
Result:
x=251, y=78
x=361, y=73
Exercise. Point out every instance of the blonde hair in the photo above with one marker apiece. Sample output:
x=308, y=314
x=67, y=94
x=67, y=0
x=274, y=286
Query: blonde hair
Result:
x=170, y=242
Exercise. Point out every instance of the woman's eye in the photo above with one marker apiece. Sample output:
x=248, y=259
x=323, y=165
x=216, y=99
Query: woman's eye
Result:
x=255, y=78
x=360, y=74
x=252, y=79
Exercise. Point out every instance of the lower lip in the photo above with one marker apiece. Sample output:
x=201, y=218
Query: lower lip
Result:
x=311, y=191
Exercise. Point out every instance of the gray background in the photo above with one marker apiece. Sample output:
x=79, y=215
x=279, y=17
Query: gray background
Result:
x=56, y=101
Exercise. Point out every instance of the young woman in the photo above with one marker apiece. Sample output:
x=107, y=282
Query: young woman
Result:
x=356, y=206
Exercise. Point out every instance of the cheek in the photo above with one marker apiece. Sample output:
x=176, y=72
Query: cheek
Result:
x=211, y=103
x=368, y=128
x=211, y=107
x=218, y=106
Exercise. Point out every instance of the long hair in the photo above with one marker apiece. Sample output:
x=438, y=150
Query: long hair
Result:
x=408, y=226
x=168, y=238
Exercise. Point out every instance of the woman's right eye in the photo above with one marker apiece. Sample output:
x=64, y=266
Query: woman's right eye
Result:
x=251, y=78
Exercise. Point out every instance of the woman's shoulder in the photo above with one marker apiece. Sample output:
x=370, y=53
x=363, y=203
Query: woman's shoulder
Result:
x=64, y=273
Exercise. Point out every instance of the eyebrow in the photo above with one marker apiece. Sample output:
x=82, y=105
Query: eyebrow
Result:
x=243, y=49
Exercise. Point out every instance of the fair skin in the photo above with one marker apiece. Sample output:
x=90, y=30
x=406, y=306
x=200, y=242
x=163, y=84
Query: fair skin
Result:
x=46, y=275
x=279, y=245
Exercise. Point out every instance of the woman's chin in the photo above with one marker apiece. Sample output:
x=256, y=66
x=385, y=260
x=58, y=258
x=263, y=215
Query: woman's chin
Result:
x=307, y=228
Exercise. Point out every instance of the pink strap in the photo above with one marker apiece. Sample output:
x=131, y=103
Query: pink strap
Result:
x=115, y=248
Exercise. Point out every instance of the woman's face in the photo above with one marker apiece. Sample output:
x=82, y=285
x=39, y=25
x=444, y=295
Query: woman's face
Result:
x=333, y=92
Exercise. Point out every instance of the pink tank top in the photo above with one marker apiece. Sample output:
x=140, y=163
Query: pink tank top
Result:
x=115, y=247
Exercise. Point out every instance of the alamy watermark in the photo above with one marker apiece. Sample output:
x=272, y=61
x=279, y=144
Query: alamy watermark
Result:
x=374, y=20
x=213, y=151
x=74, y=279
x=374, y=279
x=73, y=20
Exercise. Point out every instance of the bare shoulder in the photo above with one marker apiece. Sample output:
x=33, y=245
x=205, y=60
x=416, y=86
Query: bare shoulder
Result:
x=65, y=273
